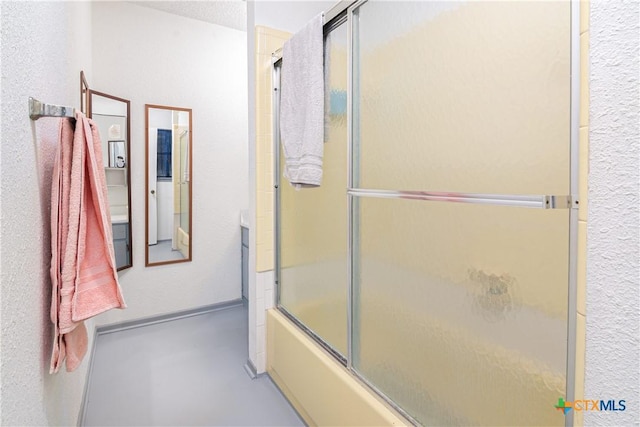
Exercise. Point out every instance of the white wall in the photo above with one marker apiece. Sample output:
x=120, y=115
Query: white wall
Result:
x=165, y=210
x=161, y=119
x=288, y=16
x=613, y=266
x=152, y=57
x=251, y=214
x=44, y=47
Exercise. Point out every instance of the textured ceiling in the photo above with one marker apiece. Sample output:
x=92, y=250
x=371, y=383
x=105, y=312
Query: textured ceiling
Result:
x=229, y=13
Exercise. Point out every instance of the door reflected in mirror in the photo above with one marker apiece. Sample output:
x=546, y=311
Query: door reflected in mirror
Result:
x=111, y=115
x=169, y=185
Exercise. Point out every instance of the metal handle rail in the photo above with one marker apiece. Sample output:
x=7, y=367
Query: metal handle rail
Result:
x=39, y=109
x=535, y=201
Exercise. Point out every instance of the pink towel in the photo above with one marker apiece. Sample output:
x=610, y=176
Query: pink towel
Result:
x=83, y=272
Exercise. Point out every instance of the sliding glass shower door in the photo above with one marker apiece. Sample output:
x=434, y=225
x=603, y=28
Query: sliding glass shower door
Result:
x=460, y=272
x=313, y=233
x=435, y=260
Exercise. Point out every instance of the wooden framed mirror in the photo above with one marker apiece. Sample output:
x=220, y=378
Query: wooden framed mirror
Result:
x=84, y=94
x=112, y=116
x=168, y=227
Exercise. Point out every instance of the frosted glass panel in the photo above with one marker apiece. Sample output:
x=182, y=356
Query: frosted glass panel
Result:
x=314, y=276
x=461, y=310
x=464, y=96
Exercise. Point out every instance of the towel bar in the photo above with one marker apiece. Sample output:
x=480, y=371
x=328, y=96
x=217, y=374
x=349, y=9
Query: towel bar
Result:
x=39, y=109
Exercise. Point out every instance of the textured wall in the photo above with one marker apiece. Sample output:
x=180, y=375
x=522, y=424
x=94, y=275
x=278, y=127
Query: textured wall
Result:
x=289, y=16
x=152, y=57
x=44, y=47
x=612, y=236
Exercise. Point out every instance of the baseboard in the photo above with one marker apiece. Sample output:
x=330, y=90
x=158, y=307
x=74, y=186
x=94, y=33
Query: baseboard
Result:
x=87, y=381
x=251, y=369
x=152, y=320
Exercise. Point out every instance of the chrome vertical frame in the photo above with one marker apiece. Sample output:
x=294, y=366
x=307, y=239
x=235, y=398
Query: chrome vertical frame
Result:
x=275, y=103
x=349, y=184
x=353, y=141
x=573, y=213
x=333, y=18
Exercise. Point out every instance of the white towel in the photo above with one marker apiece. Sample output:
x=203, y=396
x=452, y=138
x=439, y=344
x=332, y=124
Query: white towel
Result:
x=302, y=105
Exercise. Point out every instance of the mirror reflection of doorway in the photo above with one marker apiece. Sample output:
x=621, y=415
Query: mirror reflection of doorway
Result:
x=168, y=198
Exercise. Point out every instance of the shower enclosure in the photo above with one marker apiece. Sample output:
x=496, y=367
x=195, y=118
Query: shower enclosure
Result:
x=437, y=259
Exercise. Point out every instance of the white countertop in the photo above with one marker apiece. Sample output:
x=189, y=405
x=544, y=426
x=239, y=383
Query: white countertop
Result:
x=119, y=219
x=119, y=214
x=244, y=219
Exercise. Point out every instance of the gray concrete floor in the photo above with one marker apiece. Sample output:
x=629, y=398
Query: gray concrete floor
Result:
x=183, y=372
x=162, y=252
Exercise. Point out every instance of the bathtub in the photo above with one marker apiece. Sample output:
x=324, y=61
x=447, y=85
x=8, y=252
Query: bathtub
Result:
x=443, y=353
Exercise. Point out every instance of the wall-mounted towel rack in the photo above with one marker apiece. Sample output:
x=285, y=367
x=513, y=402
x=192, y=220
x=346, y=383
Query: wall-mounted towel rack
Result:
x=39, y=109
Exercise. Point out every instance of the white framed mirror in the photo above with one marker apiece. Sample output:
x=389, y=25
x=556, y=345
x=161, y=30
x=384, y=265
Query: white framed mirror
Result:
x=112, y=116
x=168, y=185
